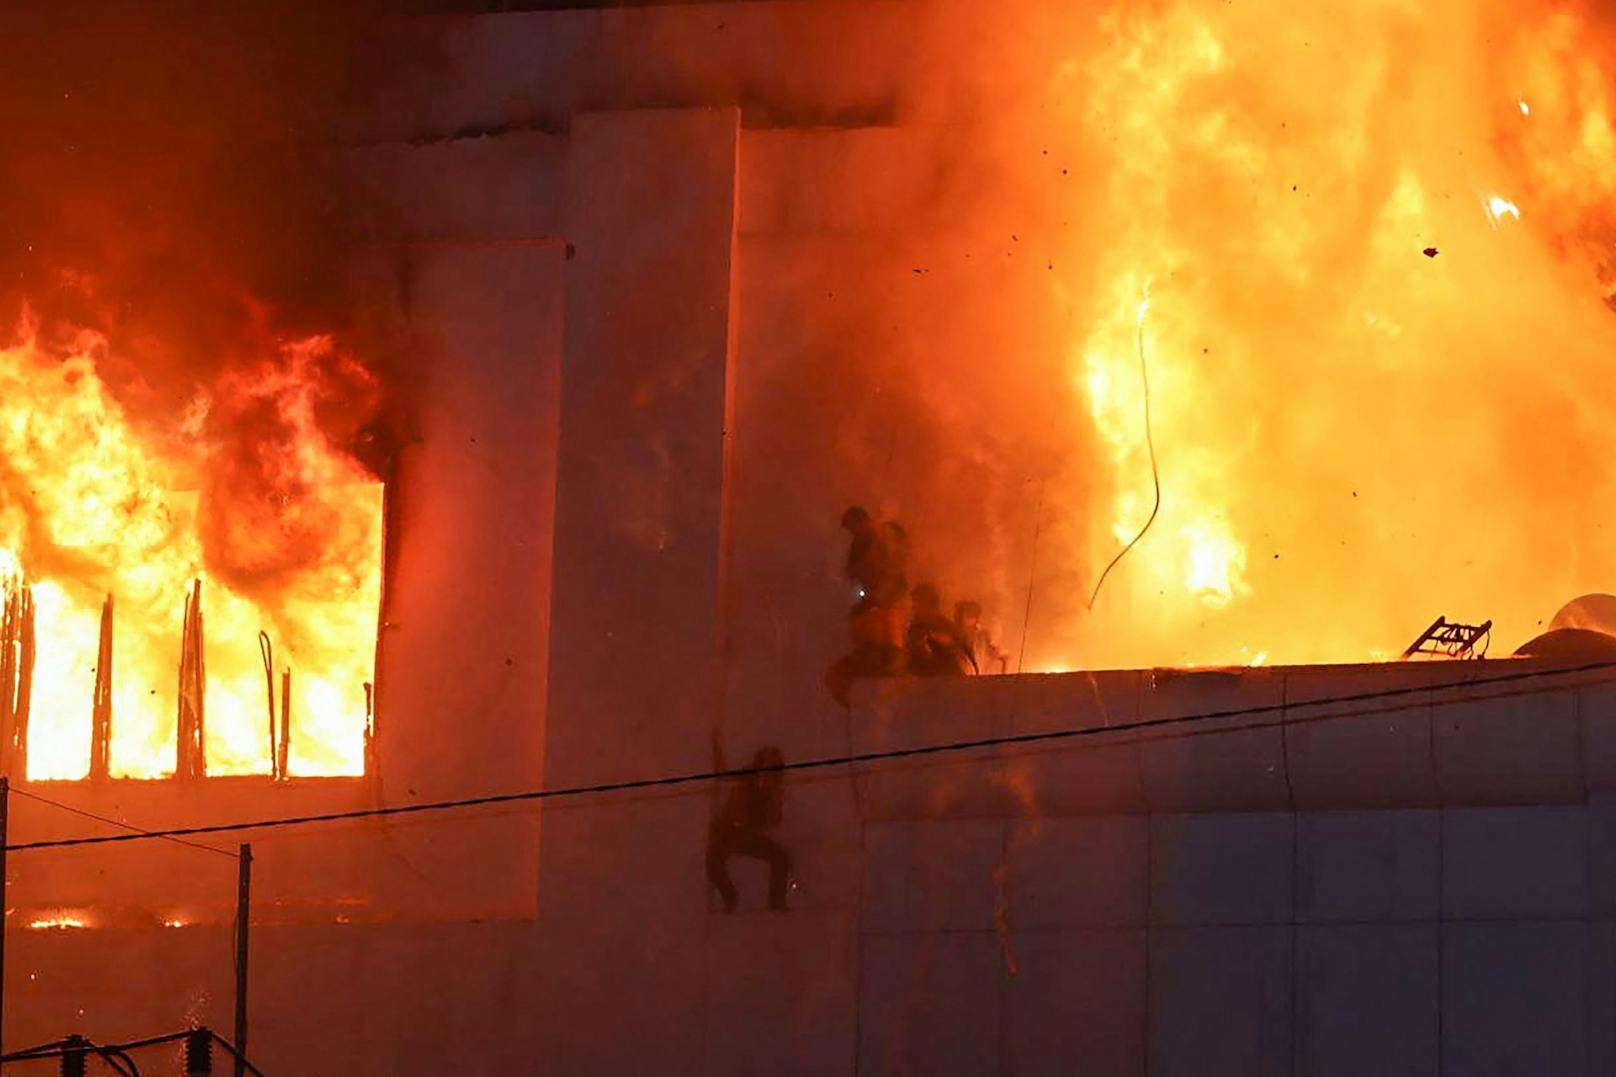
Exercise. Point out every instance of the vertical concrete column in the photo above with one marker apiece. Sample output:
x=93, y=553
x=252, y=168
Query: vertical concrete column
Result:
x=465, y=644
x=636, y=625
x=650, y=215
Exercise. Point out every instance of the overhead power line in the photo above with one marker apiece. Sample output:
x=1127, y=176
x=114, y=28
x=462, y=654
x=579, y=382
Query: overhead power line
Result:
x=1000, y=741
x=120, y=823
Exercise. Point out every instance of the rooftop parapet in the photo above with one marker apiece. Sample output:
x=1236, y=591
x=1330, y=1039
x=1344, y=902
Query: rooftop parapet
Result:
x=1260, y=739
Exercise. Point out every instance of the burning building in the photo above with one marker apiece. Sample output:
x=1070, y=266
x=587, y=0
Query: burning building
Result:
x=499, y=444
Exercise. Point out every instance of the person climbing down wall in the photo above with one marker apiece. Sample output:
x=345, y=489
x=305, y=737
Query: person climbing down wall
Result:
x=753, y=805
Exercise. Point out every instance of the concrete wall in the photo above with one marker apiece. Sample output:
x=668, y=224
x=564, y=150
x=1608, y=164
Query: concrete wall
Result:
x=1413, y=890
x=800, y=63
x=346, y=915
x=637, y=646
x=957, y=915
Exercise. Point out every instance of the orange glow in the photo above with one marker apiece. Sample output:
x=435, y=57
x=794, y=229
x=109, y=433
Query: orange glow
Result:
x=91, y=506
x=59, y=921
x=1373, y=401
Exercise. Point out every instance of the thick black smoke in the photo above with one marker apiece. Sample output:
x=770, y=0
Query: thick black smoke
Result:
x=168, y=180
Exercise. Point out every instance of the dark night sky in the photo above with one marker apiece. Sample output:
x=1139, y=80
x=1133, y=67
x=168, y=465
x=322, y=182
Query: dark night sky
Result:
x=179, y=160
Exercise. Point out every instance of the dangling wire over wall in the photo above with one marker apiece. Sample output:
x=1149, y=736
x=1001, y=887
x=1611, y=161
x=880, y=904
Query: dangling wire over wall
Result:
x=1150, y=444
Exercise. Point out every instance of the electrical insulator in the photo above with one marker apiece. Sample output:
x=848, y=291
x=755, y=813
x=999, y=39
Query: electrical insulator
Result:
x=73, y=1057
x=198, y=1053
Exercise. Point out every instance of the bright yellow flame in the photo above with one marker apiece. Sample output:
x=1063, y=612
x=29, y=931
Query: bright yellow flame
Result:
x=60, y=921
x=1345, y=360
x=1216, y=562
x=90, y=508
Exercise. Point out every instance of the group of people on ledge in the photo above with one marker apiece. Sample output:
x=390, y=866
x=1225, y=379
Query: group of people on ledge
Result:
x=898, y=630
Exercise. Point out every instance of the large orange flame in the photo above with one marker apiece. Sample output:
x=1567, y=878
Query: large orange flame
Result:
x=90, y=508
x=1365, y=249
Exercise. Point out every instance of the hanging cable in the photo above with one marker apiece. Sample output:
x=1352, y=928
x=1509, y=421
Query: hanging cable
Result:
x=1150, y=444
x=1032, y=574
x=114, y=822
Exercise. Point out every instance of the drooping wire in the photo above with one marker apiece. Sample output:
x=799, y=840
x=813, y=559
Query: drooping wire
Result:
x=126, y=826
x=1150, y=444
x=1032, y=574
x=230, y=1048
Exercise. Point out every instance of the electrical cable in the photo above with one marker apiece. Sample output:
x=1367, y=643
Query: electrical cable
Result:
x=148, y=1041
x=231, y=1048
x=1150, y=444
x=114, y=822
x=1032, y=573
x=119, y=1061
x=113, y=1057
x=1005, y=740
x=116, y=1055
x=39, y=1050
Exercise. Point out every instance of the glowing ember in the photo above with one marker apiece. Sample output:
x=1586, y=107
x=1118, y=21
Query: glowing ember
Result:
x=91, y=506
x=60, y=921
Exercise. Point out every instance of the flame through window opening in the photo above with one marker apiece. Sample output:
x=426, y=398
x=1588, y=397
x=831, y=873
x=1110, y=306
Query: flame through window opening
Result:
x=123, y=652
x=313, y=715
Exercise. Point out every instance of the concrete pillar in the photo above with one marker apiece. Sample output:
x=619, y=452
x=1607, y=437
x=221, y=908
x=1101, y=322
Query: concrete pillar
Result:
x=636, y=647
x=465, y=642
x=650, y=215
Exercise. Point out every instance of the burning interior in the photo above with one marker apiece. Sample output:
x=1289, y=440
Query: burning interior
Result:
x=155, y=623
